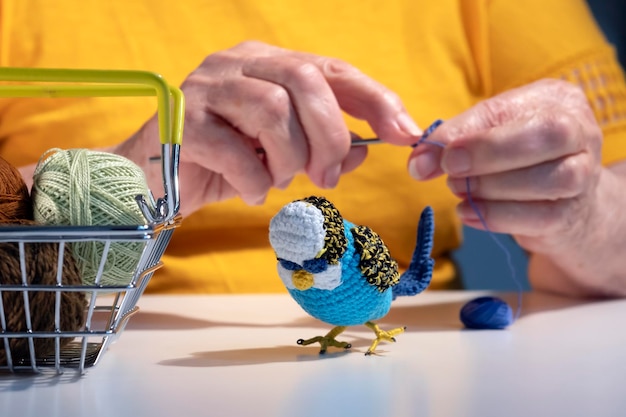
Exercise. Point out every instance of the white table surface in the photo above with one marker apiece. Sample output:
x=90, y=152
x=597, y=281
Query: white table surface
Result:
x=237, y=356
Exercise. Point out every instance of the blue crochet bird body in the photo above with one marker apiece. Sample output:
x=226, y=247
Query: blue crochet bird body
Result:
x=352, y=303
x=341, y=273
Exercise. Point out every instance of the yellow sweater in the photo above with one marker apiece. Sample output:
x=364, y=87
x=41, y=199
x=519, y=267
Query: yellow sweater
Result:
x=440, y=56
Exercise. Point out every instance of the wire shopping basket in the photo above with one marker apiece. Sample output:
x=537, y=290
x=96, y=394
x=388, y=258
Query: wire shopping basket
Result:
x=108, y=307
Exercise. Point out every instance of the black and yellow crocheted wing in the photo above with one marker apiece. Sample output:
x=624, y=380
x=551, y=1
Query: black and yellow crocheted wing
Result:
x=375, y=261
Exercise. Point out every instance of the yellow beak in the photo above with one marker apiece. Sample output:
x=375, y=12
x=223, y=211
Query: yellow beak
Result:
x=302, y=279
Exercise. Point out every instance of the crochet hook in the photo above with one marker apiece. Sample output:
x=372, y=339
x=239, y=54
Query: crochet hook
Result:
x=355, y=142
x=261, y=151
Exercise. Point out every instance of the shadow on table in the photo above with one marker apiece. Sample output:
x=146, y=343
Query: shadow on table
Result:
x=440, y=316
x=445, y=316
x=429, y=317
x=256, y=356
x=417, y=318
x=14, y=382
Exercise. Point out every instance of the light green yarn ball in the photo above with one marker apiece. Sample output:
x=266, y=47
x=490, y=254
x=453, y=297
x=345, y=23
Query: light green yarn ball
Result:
x=82, y=187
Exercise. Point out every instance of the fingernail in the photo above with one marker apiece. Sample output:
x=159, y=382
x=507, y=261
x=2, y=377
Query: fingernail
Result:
x=331, y=176
x=456, y=161
x=423, y=165
x=407, y=125
x=467, y=213
x=461, y=187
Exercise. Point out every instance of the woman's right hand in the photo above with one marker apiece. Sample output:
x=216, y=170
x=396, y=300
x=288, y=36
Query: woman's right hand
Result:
x=290, y=104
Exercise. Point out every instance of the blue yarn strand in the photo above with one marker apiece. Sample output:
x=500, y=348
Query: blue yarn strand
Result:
x=507, y=253
x=484, y=312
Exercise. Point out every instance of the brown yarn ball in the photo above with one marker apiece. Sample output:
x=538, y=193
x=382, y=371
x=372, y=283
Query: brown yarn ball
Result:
x=41, y=269
x=41, y=266
x=15, y=202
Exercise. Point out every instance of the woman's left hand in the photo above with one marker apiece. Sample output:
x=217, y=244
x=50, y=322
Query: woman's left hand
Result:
x=532, y=159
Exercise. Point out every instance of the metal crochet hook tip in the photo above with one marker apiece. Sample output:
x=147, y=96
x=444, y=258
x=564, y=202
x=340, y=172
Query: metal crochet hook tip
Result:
x=365, y=142
x=261, y=151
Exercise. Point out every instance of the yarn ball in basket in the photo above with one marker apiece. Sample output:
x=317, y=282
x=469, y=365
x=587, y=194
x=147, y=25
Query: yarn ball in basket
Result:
x=15, y=202
x=41, y=268
x=83, y=187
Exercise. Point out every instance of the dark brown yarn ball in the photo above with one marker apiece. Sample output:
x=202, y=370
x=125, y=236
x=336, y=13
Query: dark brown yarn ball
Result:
x=15, y=202
x=16, y=208
x=41, y=269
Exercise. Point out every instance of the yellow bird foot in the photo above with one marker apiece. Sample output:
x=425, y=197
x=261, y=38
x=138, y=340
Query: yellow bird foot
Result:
x=328, y=340
x=382, y=335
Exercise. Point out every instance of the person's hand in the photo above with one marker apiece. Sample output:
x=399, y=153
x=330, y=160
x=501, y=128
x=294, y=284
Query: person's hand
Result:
x=533, y=159
x=288, y=103
x=532, y=156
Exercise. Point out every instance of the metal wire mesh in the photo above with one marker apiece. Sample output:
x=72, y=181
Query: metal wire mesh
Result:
x=109, y=307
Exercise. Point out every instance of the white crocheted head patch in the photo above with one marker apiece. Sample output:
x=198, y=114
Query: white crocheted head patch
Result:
x=297, y=232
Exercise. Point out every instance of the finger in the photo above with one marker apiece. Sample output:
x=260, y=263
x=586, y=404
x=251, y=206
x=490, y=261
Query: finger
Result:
x=360, y=96
x=518, y=104
x=555, y=114
x=516, y=145
x=216, y=146
x=262, y=111
x=199, y=187
x=563, y=178
x=425, y=162
x=530, y=218
x=365, y=98
x=355, y=157
x=256, y=48
x=316, y=109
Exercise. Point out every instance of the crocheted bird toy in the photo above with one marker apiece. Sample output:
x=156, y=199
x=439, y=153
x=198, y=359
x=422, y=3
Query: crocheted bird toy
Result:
x=341, y=273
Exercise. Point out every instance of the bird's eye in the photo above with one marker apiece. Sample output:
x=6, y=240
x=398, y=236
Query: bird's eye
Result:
x=291, y=266
x=315, y=266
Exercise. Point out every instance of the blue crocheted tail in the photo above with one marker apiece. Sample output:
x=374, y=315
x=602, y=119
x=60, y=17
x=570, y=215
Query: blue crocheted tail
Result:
x=417, y=277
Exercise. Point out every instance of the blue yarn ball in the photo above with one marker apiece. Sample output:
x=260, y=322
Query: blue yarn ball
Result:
x=486, y=313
